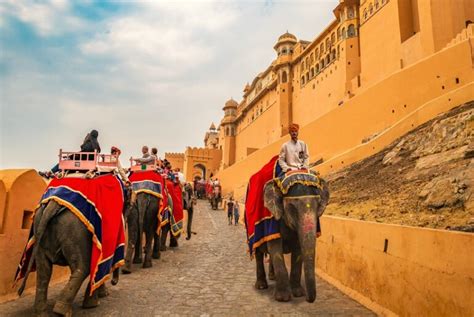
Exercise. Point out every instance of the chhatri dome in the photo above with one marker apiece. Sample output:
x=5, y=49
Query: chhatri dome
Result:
x=231, y=103
x=286, y=38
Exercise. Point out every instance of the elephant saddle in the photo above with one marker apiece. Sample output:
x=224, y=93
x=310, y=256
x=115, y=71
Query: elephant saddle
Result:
x=98, y=203
x=259, y=221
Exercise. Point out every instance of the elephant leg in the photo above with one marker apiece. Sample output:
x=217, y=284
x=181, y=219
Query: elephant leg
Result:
x=261, y=282
x=173, y=241
x=295, y=273
x=156, y=246
x=271, y=271
x=132, y=240
x=164, y=235
x=63, y=305
x=43, y=276
x=149, y=236
x=137, y=259
x=103, y=291
x=190, y=223
x=115, y=276
x=91, y=301
x=282, y=289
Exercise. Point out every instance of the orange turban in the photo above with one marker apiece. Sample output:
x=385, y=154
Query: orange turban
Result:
x=294, y=127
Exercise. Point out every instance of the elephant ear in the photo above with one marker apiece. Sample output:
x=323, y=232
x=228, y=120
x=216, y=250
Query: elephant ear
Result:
x=273, y=199
x=324, y=197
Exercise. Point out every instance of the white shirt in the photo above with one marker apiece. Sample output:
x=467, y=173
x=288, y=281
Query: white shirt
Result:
x=294, y=155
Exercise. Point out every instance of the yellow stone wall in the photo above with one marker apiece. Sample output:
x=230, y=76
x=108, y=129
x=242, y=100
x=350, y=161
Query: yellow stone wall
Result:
x=176, y=160
x=405, y=270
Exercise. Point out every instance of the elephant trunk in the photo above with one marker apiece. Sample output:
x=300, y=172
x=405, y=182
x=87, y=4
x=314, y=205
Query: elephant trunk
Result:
x=307, y=237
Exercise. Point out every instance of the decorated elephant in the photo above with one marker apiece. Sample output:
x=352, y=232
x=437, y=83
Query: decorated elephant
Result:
x=79, y=224
x=142, y=219
x=296, y=202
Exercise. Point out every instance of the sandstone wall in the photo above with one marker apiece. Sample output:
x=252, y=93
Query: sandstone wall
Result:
x=405, y=270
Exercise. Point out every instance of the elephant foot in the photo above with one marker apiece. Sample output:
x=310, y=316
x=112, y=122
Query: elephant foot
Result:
x=163, y=248
x=62, y=309
x=174, y=244
x=103, y=291
x=282, y=296
x=147, y=264
x=90, y=301
x=137, y=260
x=261, y=284
x=156, y=255
x=126, y=270
x=298, y=291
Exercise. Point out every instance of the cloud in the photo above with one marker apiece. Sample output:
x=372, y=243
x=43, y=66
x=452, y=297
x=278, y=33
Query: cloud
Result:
x=49, y=18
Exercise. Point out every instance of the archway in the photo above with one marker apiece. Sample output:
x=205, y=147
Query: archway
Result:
x=202, y=169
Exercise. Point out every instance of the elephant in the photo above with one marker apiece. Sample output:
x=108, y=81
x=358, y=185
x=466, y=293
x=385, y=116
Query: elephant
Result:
x=297, y=209
x=165, y=230
x=62, y=239
x=142, y=218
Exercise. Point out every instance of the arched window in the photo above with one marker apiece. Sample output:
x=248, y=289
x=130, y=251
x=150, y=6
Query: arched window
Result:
x=343, y=33
x=322, y=63
x=322, y=47
x=312, y=71
x=328, y=59
x=371, y=9
x=317, y=53
x=311, y=58
x=333, y=54
x=333, y=38
x=284, y=51
x=350, y=13
x=317, y=68
x=328, y=43
x=351, y=31
x=307, y=62
x=227, y=132
x=338, y=33
x=365, y=14
x=302, y=66
x=284, y=77
x=302, y=80
x=377, y=5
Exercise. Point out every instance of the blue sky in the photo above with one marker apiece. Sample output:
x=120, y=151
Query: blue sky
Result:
x=145, y=72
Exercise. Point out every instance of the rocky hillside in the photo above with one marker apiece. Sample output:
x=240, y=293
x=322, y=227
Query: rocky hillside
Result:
x=425, y=178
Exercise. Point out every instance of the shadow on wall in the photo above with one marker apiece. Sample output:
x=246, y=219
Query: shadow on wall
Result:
x=20, y=193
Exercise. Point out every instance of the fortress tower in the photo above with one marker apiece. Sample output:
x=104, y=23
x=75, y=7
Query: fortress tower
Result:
x=229, y=130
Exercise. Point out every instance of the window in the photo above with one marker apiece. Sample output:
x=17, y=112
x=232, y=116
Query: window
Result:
x=350, y=13
x=333, y=38
x=311, y=58
x=351, y=31
x=377, y=4
x=317, y=53
x=317, y=68
x=328, y=43
x=283, y=51
x=284, y=77
x=302, y=66
x=365, y=14
x=302, y=80
x=307, y=76
x=333, y=54
x=307, y=62
x=322, y=48
x=371, y=9
x=343, y=33
x=338, y=33
x=312, y=71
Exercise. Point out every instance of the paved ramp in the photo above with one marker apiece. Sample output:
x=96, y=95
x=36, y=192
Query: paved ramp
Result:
x=209, y=275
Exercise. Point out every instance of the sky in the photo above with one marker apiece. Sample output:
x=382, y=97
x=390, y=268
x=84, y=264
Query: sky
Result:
x=151, y=73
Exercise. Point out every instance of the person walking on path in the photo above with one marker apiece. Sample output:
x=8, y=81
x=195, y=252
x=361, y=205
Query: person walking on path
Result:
x=236, y=213
x=230, y=209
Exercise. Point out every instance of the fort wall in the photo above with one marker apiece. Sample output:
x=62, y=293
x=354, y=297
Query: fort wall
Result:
x=407, y=98
x=396, y=269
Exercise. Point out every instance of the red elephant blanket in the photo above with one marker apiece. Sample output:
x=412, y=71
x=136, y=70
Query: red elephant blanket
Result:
x=175, y=213
x=260, y=224
x=98, y=203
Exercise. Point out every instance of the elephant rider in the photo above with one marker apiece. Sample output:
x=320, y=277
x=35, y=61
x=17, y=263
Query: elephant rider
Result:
x=119, y=169
x=90, y=144
x=146, y=158
x=294, y=153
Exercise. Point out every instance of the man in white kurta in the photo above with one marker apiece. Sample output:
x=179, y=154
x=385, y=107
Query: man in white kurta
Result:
x=294, y=154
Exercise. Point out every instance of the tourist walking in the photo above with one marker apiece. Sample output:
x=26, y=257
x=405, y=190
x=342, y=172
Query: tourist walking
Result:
x=236, y=213
x=230, y=209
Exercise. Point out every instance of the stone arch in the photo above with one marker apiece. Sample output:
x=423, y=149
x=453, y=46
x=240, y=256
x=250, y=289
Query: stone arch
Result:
x=343, y=33
x=351, y=31
x=350, y=13
x=284, y=77
x=201, y=168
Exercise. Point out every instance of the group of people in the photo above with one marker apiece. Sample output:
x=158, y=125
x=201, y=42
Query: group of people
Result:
x=233, y=211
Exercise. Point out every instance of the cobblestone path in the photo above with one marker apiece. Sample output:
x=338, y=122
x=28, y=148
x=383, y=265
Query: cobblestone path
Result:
x=209, y=275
